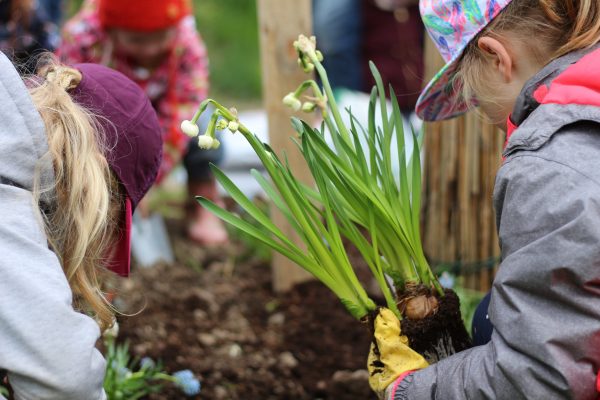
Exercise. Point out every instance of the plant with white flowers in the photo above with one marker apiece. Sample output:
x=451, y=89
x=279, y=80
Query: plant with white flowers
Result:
x=355, y=192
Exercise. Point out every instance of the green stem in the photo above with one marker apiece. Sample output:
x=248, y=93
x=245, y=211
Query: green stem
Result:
x=212, y=124
x=330, y=97
x=379, y=275
x=303, y=86
x=398, y=259
x=201, y=109
x=425, y=273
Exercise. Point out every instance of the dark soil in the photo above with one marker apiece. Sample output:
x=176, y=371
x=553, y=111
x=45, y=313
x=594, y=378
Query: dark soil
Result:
x=447, y=320
x=214, y=312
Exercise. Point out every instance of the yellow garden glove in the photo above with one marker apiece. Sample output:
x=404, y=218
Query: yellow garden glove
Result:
x=392, y=356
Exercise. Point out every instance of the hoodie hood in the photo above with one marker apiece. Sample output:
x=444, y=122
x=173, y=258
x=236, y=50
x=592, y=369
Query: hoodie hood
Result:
x=564, y=92
x=23, y=141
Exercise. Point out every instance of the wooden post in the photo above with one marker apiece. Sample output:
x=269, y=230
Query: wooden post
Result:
x=462, y=156
x=280, y=23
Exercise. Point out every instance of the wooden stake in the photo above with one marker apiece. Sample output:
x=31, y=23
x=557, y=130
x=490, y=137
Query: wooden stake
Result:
x=280, y=23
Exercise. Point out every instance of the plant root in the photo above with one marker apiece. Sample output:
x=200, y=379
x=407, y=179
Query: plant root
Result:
x=441, y=332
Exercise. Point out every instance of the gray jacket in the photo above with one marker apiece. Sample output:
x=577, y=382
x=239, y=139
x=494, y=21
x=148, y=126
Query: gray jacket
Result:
x=46, y=347
x=545, y=302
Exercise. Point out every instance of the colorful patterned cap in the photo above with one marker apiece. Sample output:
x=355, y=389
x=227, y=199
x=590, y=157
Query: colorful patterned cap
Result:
x=452, y=24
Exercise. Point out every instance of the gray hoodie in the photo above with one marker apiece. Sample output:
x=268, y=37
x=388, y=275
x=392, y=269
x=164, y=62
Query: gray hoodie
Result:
x=46, y=347
x=545, y=302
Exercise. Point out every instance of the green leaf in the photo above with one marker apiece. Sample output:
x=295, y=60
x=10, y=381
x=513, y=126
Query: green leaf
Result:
x=297, y=125
x=247, y=204
x=416, y=188
x=292, y=252
x=355, y=310
x=372, y=134
x=274, y=197
x=404, y=187
x=382, y=99
x=360, y=162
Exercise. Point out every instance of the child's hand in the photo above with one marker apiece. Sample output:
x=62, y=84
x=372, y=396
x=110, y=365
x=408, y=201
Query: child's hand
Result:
x=390, y=356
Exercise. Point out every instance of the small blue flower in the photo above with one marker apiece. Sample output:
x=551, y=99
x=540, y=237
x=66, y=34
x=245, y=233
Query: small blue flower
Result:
x=447, y=280
x=147, y=363
x=123, y=372
x=187, y=382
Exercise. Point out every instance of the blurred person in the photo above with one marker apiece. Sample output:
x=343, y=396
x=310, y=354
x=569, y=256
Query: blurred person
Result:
x=388, y=32
x=26, y=31
x=338, y=28
x=156, y=44
x=54, y=10
x=393, y=38
x=79, y=148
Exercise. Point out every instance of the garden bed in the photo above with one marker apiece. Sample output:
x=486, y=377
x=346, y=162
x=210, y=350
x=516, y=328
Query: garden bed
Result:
x=214, y=312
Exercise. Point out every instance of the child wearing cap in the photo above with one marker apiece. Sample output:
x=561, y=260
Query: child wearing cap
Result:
x=532, y=68
x=155, y=43
x=75, y=160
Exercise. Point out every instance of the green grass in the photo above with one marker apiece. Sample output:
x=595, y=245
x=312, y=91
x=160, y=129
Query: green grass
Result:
x=230, y=31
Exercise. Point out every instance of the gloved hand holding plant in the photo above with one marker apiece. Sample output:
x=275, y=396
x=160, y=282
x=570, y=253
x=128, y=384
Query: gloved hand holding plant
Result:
x=390, y=357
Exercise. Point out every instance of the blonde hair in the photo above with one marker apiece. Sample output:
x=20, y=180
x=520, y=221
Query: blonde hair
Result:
x=82, y=223
x=557, y=26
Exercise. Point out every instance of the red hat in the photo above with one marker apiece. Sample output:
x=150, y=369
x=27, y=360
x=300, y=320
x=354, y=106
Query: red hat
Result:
x=143, y=15
x=133, y=138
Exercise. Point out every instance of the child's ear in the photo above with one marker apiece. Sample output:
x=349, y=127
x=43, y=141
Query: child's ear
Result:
x=499, y=55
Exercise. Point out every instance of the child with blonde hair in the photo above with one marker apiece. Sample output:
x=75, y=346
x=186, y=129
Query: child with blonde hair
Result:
x=79, y=148
x=532, y=66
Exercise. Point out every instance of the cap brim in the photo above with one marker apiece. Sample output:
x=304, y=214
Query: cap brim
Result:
x=441, y=98
x=120, y=262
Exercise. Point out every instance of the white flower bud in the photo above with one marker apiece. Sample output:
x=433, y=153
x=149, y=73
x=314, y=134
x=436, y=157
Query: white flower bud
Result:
x=221, y=124
x=309, y=106
x=189, y=128
x=216, y=144
x=306, y=45
x=292, y=101
x=205, y=142
x=233, y=126
x=112, y=332
x=319, y=55
x=309, y=67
